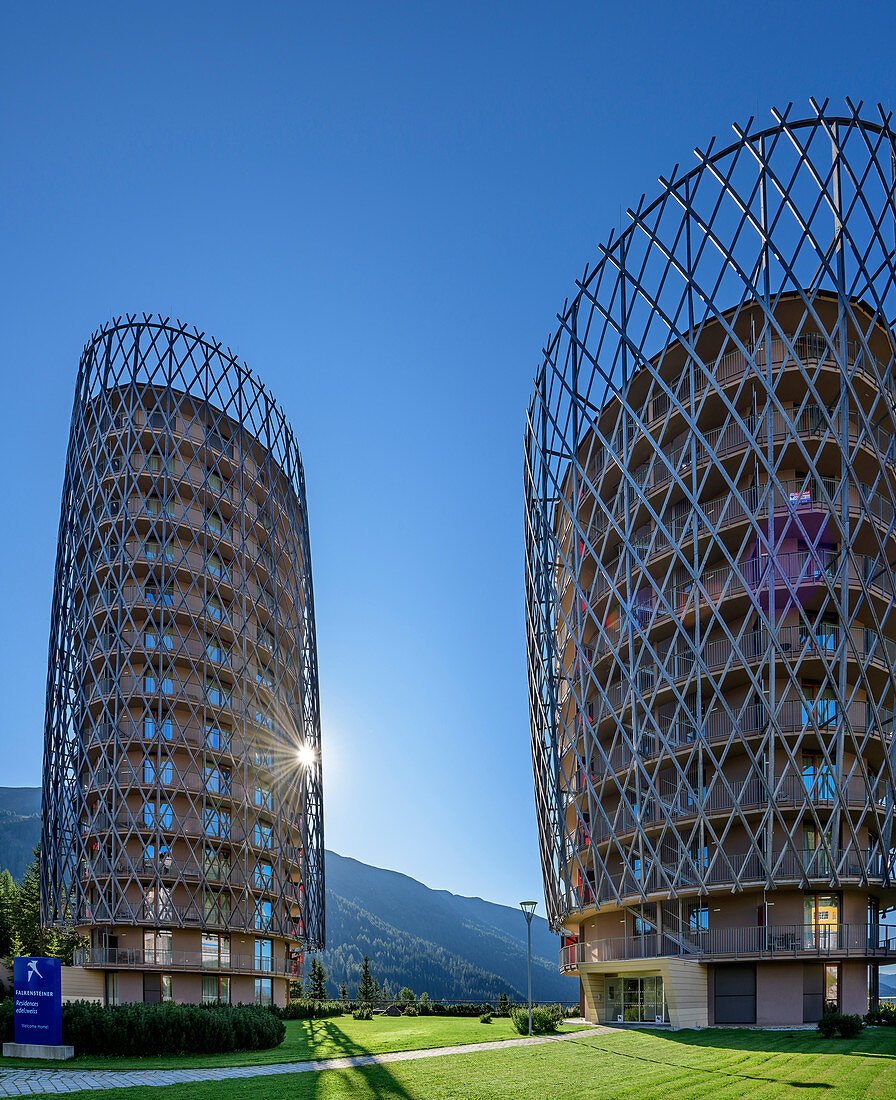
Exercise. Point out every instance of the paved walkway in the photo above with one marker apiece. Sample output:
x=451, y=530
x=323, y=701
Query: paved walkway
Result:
x=31, y=1082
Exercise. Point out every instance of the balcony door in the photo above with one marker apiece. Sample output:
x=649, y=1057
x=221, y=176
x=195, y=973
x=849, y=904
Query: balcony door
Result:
x=821, y=922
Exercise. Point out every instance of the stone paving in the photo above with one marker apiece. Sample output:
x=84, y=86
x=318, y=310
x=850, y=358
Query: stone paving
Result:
x=33, y=1082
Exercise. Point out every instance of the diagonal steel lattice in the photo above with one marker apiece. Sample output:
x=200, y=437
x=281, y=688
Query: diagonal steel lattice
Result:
x=710, y=495
x=183, y=663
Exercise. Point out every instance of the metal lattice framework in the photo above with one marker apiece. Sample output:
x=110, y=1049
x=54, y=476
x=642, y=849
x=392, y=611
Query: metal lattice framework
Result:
x=710, y=483
x=183, y=666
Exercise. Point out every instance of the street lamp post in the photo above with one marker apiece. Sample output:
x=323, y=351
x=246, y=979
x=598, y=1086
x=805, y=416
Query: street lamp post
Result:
x=528, y=908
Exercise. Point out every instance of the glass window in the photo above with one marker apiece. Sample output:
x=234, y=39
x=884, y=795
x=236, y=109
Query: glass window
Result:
x=262, y=797
x=698, y=918
x=214, y=610
x=215, y=694
x=264, y=954
x=167, y=988
x=263, y=835
x=216, y=862
x=263, y=875
x=263, y=993
x=216, y=821
x=112, y=989
x=263, y=916
x=818, y=777
x=214, y=524
x=217, y=779
x=215, y=990
x=152, y=639
x=832, y=987
x=218, y=737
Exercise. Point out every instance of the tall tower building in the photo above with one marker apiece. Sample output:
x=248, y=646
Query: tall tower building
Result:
x=182, y=826
x=710, y=488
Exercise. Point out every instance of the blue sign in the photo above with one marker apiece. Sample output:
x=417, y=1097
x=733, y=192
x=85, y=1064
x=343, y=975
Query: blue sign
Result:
x=37, y=1001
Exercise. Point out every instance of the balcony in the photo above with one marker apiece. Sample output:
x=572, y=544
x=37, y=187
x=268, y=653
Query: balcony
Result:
x=684, y=876
x=675, y=802
x=789, y=941
x=179, y=960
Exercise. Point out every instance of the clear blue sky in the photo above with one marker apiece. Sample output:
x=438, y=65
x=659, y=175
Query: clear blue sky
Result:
x=381, y=207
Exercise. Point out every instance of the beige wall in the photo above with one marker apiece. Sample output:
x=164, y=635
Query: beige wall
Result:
x=684, y=984
x=79, y=984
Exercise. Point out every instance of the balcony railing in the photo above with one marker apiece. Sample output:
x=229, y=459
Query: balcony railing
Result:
x=768, y=941
x=676, y=802
x=690, y=873
x=161, y=959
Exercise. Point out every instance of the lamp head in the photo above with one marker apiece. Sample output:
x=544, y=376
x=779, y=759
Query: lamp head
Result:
x=528, y=907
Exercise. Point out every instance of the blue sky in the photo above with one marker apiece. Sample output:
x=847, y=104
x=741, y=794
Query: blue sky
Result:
x=381, y=208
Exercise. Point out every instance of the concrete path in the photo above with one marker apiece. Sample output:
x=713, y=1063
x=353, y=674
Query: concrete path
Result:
x=31, y=1082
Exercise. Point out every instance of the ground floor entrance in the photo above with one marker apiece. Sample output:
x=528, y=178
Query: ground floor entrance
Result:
x=635, y=999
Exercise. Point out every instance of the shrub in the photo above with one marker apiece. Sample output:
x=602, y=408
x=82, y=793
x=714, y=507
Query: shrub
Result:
x=149, y=1029
x=310, y=1010
x=411, y=1010
x=362, y=1012
x=834, y=1023
x=543, y=1019
x=486, y=1018
x=883, y=1016
x=423, y=1004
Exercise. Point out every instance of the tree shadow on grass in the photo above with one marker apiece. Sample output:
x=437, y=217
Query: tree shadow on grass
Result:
x=374, y=1082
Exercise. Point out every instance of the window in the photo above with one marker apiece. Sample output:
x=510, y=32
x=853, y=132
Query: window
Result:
x=156, y=419
x=165, y=906
x=821, y=920
x=216, y=863
x=149, y=857
x=263, y=835
x=214, y=651
x=157, y=815
x=214, y=610
x=157, y=948
x=264, y=720
x=698, y=918
x=700, y=856
x=264, y=955
x=217, y=779
x=832, y=987
x=163, y=684
x=265, y=676
x=263, y=759
x=215, y=990
x=159, y=597
x=263, y=875
x=215, y=907
x=153, y=727
x=158, y=551
x=262, y=797
x=152, y=639
x=217, y=567
x=112, y=989
x=641, y=927
x=163, y=772
x=216, y=821
x=217, y=737
x=263, y=993
x=818, y=778
x=263, y=916
x=819, y=704
x=214, y=523
x=154, y=506
x=156, y=464
x=167, y=988
x=215, y=950
x=216, y=694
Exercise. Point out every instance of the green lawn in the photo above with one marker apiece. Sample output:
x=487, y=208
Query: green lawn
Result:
x=687, y=1065
x=307, y=1039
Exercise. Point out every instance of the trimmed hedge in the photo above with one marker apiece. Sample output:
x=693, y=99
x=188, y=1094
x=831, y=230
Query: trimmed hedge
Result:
x=168, y=1028
x=309, y=1010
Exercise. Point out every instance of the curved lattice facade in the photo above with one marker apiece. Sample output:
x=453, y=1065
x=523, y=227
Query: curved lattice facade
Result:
x=182, y=815
x=710, y=484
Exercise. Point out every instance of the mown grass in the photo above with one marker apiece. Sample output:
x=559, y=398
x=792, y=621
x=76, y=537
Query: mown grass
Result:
x=314, y=1039
x=687, y=1065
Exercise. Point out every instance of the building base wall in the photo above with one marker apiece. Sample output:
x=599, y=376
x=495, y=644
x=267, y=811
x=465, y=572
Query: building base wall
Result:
x=684, y=984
